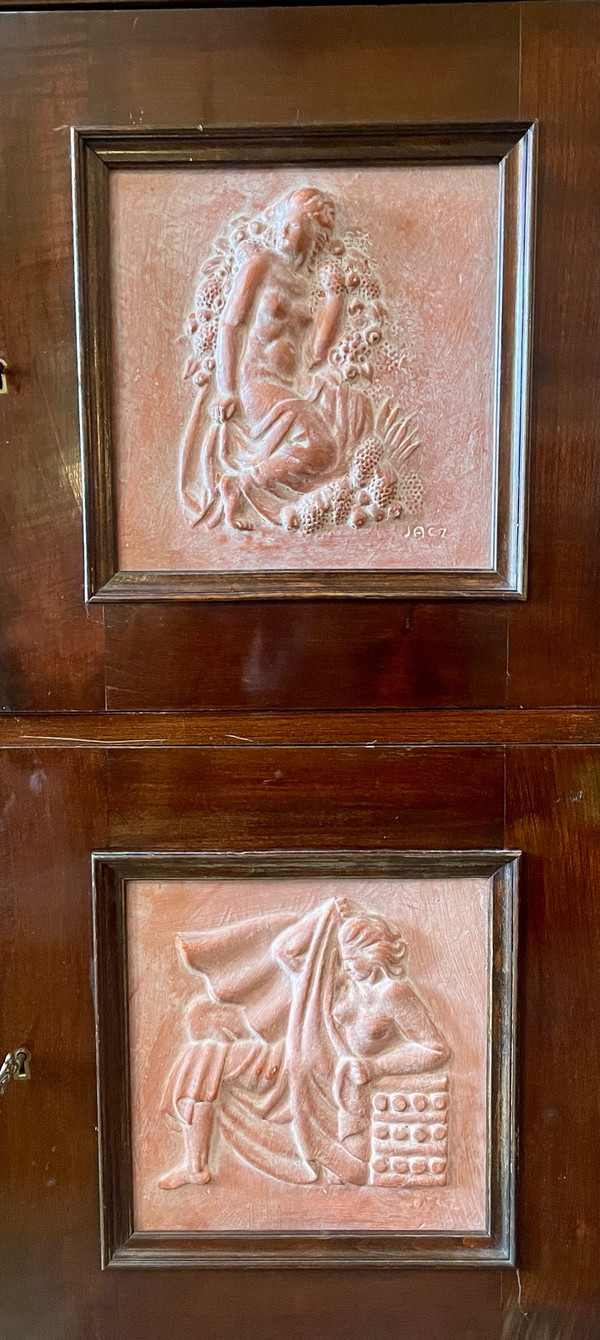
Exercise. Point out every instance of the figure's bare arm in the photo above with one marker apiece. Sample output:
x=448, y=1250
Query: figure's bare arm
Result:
x=326, y=328
x=423, y=1047
x=232, y=326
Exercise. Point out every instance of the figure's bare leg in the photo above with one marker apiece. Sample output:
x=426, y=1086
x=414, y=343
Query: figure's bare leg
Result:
x=194, y=1170
x=234, y=500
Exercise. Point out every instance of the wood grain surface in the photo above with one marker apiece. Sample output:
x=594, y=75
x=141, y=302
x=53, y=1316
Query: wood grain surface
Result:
x=184, y=68
x=136, y=730
x=553, y=645
x=63, y=803
x=401, y=725
x=187, y=67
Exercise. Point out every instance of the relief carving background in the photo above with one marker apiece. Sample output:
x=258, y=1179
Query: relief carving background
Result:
x=279, y=1083
x=389, y=324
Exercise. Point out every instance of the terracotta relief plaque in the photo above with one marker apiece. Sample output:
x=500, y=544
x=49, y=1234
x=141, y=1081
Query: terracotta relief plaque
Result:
x=304, y=365
x=310, y=1053
x=341, y=356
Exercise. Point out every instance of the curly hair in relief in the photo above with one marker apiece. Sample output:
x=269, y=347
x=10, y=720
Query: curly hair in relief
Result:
x=372, y=937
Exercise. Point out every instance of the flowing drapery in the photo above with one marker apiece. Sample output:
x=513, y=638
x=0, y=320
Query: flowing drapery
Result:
x=264, y=1045
x=211, y=450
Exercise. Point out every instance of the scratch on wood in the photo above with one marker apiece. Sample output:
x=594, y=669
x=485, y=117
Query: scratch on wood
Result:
x=519, y=1291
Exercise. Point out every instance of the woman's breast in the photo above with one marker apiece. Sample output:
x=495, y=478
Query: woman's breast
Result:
x=280, y=308
x=379, y=1027
x=367, y=1033
x=273, y=305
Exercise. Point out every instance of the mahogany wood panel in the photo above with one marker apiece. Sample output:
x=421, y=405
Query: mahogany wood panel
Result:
x=136, y=730
x=369, y=776
x=59, y=812
x=51, y=647
x=552, y=814
x=218, y=798
x=306, y=656
x=399, y=1305
x=189, y=67
x=47, y=846
x=554, y=639
x=53, y=811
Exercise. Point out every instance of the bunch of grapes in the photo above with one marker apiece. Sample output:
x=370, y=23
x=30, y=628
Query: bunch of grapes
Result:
x=209, y=293
x=312, y=514
x=383, y=484
x=365, y=458
x=341, y=503
x=350, y=355
x=411, y=492
x=331, y=277
x=205, y=338
x=370, y=287
x=352, y=346
x=390, y=357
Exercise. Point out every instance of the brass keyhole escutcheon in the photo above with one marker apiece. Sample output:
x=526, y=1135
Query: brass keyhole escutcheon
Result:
x=23, y=1057
x=14, y=1066
x=3, y=377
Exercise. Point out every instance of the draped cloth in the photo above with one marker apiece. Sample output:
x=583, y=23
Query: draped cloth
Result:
x=264, y=1046
x=211, y=450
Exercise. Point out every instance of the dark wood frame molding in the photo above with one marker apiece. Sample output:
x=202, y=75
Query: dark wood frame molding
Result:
x=95, y=152
x=122, y=1246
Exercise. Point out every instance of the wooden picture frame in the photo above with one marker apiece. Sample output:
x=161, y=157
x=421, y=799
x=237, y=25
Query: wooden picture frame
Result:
x=122, y=1245
x=97, y=152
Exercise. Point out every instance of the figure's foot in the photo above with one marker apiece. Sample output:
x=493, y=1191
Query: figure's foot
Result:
x=199, y=1178
x=234, y=503
x=184, y=1177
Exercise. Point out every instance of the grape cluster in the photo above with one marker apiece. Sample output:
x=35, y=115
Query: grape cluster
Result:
x=383, y=484
x=312, y=515
x=365, y=458
x=205, y=338
x=331, y=277
x=411, y=492
x=350, y=355
x=352, y=346
x=390, y=357
x=209, y=293
x=341, y=503
x=371, y=288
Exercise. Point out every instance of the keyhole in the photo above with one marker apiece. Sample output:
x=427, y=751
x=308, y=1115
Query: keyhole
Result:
x=3, y=378
x=22, y=1057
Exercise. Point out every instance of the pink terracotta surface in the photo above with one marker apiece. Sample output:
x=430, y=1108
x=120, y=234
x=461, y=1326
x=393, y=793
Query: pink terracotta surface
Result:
x=434, y=236
x=445, y=925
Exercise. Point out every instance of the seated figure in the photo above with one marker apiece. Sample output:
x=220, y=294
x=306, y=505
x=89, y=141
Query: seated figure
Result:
x=285, y=430
x=299, y=1018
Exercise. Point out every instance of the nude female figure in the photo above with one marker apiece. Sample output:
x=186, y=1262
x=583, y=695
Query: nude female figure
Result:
x=380, y=1025
x=268, y=343
x=384, y=1024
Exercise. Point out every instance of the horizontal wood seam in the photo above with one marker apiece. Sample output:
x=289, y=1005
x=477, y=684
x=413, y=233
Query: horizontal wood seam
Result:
x=361, y=728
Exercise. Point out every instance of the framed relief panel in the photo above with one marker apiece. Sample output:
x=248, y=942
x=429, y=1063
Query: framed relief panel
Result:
x=303, y=360
x=306, y=1058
